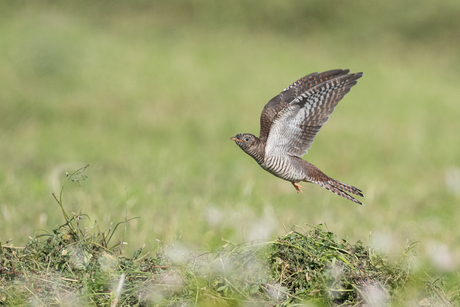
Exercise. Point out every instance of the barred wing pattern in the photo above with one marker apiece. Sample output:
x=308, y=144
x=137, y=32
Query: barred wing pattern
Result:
x=279, y=102
x=295, y=116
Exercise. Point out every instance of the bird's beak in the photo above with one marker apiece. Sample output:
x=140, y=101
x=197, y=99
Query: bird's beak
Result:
x=236, y=140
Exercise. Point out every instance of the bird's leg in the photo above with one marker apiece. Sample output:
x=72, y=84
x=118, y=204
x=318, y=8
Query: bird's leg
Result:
x=298, y=187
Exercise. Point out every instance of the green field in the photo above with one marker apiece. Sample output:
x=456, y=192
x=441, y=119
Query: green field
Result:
x=150, y=93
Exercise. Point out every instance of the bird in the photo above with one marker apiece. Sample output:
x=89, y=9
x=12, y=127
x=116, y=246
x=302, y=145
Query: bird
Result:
x=289, y=123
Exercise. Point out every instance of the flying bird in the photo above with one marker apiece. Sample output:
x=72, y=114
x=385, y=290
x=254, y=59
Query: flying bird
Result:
x=289, y=123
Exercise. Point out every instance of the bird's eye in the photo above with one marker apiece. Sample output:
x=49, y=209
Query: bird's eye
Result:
x=246, y=139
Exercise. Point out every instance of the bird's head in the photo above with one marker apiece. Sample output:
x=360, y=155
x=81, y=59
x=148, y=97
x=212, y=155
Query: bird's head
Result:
x=251, y=145
x=244, y=140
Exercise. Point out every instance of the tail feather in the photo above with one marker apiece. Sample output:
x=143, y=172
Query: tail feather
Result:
x=341, y=189
x=314, y=175
x=348, y=188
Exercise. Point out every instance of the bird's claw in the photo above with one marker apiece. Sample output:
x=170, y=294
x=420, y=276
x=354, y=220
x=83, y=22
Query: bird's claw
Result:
x=298, y=187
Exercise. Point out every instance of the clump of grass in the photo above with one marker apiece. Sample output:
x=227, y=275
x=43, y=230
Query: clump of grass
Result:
x=73, y=264
x=77, y=264
x=315, y=266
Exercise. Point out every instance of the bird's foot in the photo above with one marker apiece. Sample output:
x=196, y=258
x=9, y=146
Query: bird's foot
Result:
x=298, y=187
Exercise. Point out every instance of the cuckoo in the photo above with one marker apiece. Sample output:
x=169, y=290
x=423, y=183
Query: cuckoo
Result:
x=289, y=123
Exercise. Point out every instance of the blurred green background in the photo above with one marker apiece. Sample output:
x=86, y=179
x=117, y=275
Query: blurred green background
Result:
x=149, y=93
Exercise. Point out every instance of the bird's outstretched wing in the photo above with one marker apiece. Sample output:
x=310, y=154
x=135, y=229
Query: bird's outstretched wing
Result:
x=279, y=102
x=290, y=121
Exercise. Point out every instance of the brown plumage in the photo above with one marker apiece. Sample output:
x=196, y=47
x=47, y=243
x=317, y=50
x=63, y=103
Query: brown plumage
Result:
x=289, y=123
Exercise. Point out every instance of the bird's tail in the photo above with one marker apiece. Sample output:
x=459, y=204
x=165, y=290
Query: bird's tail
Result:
x=341, y=189
x=314, y=175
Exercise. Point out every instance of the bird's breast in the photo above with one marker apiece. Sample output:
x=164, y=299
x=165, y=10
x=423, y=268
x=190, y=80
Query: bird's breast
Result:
x=283, y=166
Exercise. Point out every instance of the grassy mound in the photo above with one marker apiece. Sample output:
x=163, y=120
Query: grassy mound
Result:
x=317, y=267
x=75, y=265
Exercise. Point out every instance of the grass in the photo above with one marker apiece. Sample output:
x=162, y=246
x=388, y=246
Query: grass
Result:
x=78, y=264
x=150, y=100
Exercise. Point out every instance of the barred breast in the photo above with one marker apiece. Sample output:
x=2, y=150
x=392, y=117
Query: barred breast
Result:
x=285, y=167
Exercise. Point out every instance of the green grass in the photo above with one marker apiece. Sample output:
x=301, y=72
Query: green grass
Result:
x=149, y=96
x=79, y=264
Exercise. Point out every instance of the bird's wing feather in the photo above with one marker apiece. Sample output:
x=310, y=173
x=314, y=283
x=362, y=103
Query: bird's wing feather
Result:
x=299, y=112
x=281, y=101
